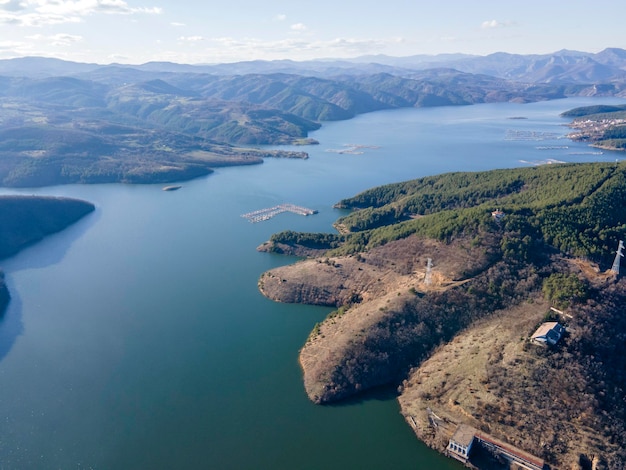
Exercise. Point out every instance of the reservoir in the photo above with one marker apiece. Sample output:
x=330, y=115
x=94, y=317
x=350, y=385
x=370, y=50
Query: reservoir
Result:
x=137, y=338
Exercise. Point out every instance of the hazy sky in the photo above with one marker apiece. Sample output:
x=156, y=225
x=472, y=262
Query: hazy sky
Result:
x=207, y=31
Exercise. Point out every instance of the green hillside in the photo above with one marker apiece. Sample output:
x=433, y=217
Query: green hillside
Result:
x=579, y=209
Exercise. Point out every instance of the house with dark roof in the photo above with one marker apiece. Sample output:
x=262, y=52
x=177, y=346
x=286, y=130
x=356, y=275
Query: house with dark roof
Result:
x=549, y=333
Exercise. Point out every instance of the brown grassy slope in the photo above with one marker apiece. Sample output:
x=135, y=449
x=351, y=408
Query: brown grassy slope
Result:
x=389, y=268
x=564, y=404
x=393, y=319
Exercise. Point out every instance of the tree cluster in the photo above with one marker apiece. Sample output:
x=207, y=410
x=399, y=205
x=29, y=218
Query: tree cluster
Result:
x=578, y=209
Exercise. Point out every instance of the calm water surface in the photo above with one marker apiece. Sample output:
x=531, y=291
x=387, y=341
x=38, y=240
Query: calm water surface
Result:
x=137, y=338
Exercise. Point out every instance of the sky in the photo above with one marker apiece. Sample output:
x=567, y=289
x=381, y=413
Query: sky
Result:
x=207, y=32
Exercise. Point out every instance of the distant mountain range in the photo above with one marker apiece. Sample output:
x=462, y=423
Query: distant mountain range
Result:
x=564, y=67
x=67, y=122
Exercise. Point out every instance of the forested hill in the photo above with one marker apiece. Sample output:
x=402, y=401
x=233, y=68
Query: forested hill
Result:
x=575, y=208
x=24, y=220
x=439, y=283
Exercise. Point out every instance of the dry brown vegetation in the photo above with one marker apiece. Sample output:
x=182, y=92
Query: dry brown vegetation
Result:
x=391, y=268
x=558, y=403
x=389, y=318
x=462, y=344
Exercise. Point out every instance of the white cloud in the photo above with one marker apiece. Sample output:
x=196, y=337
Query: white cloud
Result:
x=65, y=39
x=34, y=19
x=87, y=7
x=280, y=17
x=12, y=5
x=10, y=45
x=491, y=24
x=191, y=38
x=177, y=25
x=39, y=45
x=298, y=27
x=232, y=49
x=47, y=12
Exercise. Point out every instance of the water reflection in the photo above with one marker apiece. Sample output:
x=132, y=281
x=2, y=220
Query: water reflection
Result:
x=52, y=249
x=44, y=253
x=11, y=325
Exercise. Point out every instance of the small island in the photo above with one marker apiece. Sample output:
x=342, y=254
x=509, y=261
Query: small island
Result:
x=440, y=285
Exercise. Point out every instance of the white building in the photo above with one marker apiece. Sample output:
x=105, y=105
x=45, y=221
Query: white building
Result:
x=460, y=445
x=497, y=215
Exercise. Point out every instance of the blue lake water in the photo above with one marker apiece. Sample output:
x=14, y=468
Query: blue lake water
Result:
x=137, y=337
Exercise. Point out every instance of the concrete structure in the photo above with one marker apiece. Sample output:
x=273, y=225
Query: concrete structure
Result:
x=618, y=257
x=509, y=452
x=465, y=437
x=549, y=333
x=461, y=443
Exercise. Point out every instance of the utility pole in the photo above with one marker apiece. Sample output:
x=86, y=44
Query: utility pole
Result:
x=428, y=275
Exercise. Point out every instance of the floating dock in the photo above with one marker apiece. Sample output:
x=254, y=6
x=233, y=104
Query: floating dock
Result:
x=352, y=149
x=266, y=214
x=513, y=134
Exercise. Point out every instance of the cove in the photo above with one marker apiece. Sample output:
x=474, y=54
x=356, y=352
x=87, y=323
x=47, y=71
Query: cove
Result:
x=137, y=338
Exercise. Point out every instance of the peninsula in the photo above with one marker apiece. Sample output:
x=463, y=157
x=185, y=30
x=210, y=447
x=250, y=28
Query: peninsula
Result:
x=440, y=284
x=25, y=220
x=603, y=126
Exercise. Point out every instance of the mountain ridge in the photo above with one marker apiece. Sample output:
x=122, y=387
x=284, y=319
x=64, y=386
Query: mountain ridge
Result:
x=174, y=122
x=520, y=67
